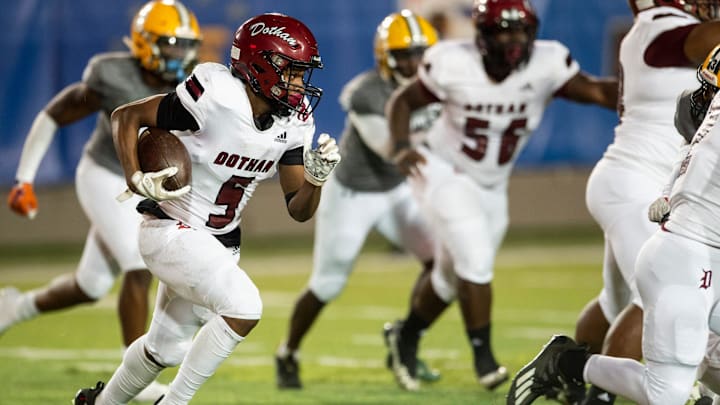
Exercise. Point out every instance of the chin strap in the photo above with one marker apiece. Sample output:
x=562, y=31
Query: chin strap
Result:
x=400, y=79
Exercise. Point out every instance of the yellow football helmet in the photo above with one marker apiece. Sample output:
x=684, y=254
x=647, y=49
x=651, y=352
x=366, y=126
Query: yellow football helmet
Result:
x=707, y=75
x=165, y=37
x=402, y=32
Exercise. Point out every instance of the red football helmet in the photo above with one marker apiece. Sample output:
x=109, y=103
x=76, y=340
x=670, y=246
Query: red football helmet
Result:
x=266, y=49
x=492, y=17
x=705, y=10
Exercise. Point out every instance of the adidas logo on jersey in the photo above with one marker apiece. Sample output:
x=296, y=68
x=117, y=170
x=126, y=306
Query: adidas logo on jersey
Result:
x=282, y=138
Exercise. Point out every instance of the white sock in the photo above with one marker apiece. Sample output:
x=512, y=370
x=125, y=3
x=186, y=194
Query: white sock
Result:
x=624, y=377
x=134, y=374
x=213, y=344
x=656, y=383
x=26, y=308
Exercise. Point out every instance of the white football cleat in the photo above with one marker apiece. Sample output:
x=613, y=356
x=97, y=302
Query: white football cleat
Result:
x=152, y=392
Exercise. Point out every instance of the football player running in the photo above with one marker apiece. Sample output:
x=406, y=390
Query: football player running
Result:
x=163, y=46
x=658, y=58
x=246, y=122
x=493, y=90
x=366, y=192
x=674, y=278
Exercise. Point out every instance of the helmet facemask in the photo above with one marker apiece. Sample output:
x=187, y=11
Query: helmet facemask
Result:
x=403, y=63
x=701, y=98
x=286, y=92
x=175, y=57
x=400, y=41
x=506, y=46
x=706, y=10
x=505, y=34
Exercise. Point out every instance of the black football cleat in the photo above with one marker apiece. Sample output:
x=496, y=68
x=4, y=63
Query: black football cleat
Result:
x=704, y=400
x=86, y=396
x=494, y=378
x=546, y=375
x=424, y=372
x=287, y=372
x=403, y=358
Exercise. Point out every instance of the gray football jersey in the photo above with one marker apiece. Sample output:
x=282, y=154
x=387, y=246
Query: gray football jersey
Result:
x=361, y=168
x=117, y=78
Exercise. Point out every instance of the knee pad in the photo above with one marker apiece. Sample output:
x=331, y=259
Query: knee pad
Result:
x=668, y=383
x=676, y=327
x=171, y=353
x=444, y=283
x=241, y=299
x=327, y=287
x=95, y=283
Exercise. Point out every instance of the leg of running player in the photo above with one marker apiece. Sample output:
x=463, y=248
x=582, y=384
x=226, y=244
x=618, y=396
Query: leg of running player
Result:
x=675, y=324
x=404, y=226
x=93, y=280
x=618, y=198
x=212, y=277
x=133, y=306
x=343, y=221
x=117, y=226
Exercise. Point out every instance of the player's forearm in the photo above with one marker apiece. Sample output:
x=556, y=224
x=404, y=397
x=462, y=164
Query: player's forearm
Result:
x=125, y=128
x=373, y=130
x=398, y=115
x=304, y=202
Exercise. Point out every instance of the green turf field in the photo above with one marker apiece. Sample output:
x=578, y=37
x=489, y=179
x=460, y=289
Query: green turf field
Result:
x=542, y=281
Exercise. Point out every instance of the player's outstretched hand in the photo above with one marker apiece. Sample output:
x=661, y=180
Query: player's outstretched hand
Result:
x=407, y=160
x=150, y=184
x=22, y=200
x=659, y=210
x=321, y=161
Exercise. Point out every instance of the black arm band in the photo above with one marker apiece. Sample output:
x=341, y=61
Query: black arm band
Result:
x=289, y=197
x=172, y=115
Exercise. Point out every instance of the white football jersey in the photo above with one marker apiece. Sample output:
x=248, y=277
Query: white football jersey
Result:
x=646, y=137
x=484, y=125
x=229, y=154
x=695, y=195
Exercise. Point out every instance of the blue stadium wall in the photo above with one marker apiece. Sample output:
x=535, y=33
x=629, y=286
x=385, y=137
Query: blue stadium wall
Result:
x=46, y=44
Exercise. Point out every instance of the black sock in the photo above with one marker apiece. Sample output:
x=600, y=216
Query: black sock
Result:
x=598, y=396
x=572, y=363
x=482, y=352
x=413, y=327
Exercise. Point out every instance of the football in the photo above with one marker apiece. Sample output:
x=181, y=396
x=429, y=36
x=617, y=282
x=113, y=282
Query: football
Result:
x=158, y=149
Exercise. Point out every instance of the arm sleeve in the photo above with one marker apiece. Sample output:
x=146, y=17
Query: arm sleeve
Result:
x=374, y=131
x=292, y=157
x=172, y=115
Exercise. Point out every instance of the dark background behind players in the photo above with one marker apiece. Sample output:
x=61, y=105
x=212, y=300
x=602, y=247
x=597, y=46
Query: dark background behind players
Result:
x=46, y=45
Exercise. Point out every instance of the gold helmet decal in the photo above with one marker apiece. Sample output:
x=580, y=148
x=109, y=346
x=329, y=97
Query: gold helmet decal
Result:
x=404, y=30
x=165, y=36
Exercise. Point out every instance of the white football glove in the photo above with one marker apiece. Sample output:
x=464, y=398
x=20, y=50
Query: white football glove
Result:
x=150, y=184
x=320, y=162
x=659, y=210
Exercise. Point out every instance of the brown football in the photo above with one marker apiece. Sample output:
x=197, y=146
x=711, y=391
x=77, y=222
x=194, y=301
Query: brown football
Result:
x=158, y=149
